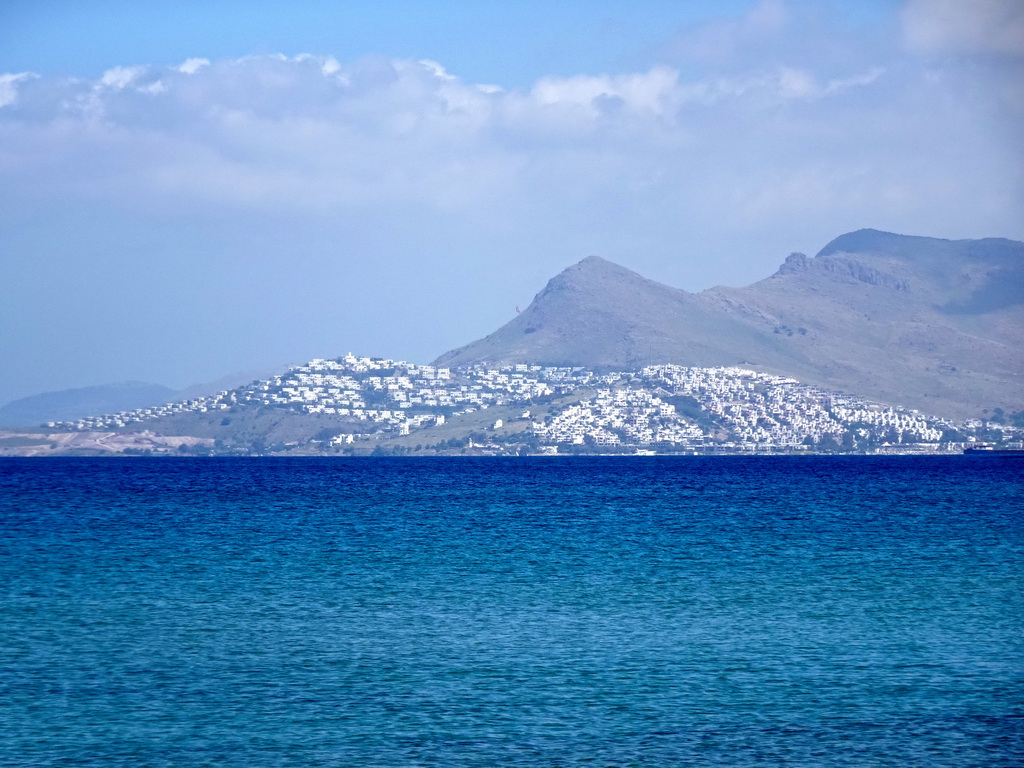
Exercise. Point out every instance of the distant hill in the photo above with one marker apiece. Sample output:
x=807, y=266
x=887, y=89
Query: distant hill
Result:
x=70, y=404
x=916, y=321
x=83, y=402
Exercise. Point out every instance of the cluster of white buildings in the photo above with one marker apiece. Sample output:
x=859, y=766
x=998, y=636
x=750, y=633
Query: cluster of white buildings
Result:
x=624, y=416
x=743, y=409
x=763, y=409
x=396, y=395
x=220, y=401
x=727, y=406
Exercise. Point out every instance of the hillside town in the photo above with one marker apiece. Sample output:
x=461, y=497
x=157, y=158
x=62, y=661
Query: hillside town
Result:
x=667, y=408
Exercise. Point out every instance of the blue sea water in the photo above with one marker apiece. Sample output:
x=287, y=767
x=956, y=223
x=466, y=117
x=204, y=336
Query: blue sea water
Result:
x=776, y=611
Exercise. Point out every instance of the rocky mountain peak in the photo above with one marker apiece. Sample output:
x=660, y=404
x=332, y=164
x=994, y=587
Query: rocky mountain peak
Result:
x=795, y=262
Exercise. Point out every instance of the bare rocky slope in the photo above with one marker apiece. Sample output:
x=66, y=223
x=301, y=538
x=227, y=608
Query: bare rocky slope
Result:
x=922, y=322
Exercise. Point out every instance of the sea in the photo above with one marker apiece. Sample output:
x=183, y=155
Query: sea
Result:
x=542, y=612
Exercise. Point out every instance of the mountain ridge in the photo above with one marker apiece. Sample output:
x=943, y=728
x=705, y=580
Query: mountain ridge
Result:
x=918, y=321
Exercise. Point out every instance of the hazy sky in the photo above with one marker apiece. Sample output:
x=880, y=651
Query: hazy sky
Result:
x=194, y=188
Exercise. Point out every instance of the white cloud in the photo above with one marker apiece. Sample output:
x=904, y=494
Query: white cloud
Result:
x=654, y=92
x=191, y=66
x=796, y=84
x=854, y=81
x=962, y=27
x=774, y=87
x=436, y=70
x=120, y=77
x=8, y=87
x=321, y=138
x=330, y=66
x=154, y=88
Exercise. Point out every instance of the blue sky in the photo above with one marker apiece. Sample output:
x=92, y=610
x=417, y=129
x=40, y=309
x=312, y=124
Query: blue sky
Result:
x=509, y=43
x=192, y=189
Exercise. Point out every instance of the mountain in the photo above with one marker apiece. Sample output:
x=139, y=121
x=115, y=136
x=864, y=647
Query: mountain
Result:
x=916, y=321
x=78, y=403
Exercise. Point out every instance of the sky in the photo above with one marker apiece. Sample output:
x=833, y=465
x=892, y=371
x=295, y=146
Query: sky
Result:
x=194, y=189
